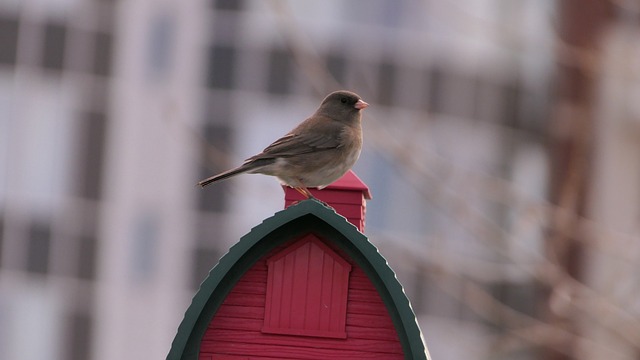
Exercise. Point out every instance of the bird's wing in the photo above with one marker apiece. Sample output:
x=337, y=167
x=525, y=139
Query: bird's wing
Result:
x=302, y=140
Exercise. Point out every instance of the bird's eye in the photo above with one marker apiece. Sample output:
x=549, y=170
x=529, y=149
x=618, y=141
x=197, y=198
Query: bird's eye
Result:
x=343, y=100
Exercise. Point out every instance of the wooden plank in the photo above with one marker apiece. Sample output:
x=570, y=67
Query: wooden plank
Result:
x=314, y=305
x=286, y=351
x=376, y=321
x=242, y=312
x=234, y=357
x=239, y=299
x=361, y=282
x=233, y=323
x=225, y=335
x=365, y=296
x=255, y=276
x=367, y=308
x=298, y=286
x=255, y=325
x=250, y=288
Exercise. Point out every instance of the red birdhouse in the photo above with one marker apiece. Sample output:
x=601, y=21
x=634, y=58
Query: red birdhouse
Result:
x=348, y=196
x=304, y=284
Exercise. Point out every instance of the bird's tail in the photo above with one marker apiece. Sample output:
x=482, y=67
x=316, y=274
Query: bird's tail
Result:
x=224, y=175
x=248, y=166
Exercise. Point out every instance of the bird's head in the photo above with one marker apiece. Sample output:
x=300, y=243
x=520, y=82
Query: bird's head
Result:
x=343, y=106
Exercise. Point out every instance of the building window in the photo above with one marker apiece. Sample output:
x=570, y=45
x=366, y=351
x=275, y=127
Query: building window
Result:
x=280, y=71
x=512, y=95
x=462, y=95
x=38, y=247
x=222, y=60
x=386, y=83
x=54, y=46
x=307, y=290
x=145, y=234
x=337, y=65
x=103, y=48
x=160, y=46
x=519, y=296
x=93, y=129
x=214, y=197
x=79, y=334
x=436, y=99
x=453, y=93
x=8, y=40
x=228, y=4
x=87, y=257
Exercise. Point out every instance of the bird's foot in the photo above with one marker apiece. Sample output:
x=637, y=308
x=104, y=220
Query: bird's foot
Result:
x=305, y=192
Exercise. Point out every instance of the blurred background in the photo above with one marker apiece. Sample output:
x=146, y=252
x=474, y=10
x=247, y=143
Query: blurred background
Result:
x=502, y=148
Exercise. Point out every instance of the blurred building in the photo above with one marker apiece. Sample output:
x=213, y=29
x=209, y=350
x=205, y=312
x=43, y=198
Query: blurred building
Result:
x=111, y=111
x=56, y=69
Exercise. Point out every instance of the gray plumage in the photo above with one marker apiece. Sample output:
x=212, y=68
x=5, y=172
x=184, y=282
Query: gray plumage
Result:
x=315, y=153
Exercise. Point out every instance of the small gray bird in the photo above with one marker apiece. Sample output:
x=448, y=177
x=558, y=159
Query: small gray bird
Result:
x=315, y=153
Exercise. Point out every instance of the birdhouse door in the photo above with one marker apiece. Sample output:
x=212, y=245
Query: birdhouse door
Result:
x=307, y=288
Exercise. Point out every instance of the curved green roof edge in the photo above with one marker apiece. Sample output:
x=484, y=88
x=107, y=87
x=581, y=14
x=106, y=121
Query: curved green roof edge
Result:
x=283, y=226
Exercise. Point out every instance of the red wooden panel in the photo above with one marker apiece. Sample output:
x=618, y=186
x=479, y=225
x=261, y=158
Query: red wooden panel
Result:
x=347, y=197
x=250, y=288
x=235, y=357
x=355, y=213
x=239, y=299
x=235, y=331
x=357, y=331
x=348, y=210
x=241, y=312
x=329, y=196
x=351, y=182
x=259, y=351
x=243, y=337
x=307, y=285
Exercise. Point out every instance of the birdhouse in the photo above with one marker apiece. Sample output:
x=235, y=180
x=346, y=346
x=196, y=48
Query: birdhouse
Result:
x=304, y=284
x=347, y=196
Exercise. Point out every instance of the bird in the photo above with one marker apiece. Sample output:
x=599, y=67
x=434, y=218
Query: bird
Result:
x=317, y=152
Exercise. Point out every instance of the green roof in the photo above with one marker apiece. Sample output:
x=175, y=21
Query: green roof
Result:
x=299, y=219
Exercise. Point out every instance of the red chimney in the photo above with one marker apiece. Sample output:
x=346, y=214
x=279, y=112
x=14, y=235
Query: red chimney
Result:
x=346, y=195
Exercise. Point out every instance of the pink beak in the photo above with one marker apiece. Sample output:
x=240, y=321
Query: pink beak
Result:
x=360, y=105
